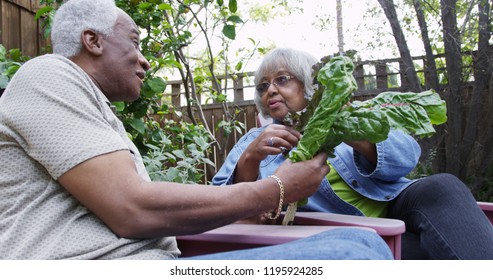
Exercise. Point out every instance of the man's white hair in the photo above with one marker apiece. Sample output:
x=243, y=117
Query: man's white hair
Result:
x=75, y=16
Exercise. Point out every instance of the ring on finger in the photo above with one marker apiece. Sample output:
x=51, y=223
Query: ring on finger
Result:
x=270, y=142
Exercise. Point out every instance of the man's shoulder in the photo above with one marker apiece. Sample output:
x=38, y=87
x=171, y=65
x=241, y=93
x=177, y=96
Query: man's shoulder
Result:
x=47, y=68
x=47, y=61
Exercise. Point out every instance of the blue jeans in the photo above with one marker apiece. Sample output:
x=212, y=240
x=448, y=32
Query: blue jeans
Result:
x=337, y=244
x=443, y=221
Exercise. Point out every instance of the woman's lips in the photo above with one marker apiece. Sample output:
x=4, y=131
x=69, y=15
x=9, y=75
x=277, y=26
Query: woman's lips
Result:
x=274, y=104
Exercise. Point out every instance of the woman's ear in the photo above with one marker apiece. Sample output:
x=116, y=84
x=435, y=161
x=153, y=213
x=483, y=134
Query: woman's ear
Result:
x=92, y=42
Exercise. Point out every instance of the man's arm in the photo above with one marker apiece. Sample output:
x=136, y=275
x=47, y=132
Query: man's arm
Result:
x=110, y=187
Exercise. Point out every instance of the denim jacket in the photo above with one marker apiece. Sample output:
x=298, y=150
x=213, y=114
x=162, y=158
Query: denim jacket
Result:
x=397, y=156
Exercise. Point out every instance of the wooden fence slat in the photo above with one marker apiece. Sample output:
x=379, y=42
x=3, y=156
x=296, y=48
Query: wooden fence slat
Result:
x=10, y=26
x=238, y=88
x=27, y=37
x=382, y=77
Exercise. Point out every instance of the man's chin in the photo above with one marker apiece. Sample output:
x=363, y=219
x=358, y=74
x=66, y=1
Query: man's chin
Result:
x=132, y=97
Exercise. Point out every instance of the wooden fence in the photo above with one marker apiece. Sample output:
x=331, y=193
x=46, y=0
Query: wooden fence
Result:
x=19, y=29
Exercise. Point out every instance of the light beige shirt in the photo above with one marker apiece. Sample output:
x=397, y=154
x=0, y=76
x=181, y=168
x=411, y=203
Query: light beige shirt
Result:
x=53, y=117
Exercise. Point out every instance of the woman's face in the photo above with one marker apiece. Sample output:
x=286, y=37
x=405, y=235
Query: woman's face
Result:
x=282, y=93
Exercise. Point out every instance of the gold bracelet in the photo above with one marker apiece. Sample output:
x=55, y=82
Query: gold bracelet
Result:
x=281, y=198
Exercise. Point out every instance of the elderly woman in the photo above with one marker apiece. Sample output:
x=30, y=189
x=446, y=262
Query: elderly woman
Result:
x=442, y=218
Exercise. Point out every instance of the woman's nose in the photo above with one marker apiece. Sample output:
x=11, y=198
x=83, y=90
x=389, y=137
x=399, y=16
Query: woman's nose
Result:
x=271, y=90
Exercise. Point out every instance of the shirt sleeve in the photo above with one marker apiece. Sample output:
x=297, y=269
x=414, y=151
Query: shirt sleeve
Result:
x=58, y=115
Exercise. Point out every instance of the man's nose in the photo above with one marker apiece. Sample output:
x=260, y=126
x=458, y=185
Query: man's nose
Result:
x=144, y=62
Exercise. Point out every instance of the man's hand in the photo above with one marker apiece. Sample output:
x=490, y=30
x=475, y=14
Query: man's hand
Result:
x=302, y=179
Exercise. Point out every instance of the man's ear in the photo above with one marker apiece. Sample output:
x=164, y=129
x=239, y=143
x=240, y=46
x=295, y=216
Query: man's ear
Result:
x=92, y=42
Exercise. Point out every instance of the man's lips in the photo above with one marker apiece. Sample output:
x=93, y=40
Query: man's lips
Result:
x=141, y=74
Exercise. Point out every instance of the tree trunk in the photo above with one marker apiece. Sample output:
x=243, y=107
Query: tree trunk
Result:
x=340, y=30
x=408, y=66
x=482, y=76
x=434, y=144
x=431, y=68
x=454, y=98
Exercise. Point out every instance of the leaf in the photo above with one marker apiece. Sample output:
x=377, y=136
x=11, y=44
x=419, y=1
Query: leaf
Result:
x=120, y=105
x=3, y=53
x=233, y=6
x=179, y=153
x=229, y=31
x=157, y=84
x=4, y=81
x=413, y=113
x=339, y=83
x=238, y=66
x=138, y=125
x=235, y=19
x=42, y=11
x=171, y=174
x=165, y=7
x=144, y=5
x=200, y=141
x=331, y=120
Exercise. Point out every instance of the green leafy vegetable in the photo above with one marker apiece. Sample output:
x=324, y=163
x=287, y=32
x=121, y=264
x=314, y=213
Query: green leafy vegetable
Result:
x=331, y=119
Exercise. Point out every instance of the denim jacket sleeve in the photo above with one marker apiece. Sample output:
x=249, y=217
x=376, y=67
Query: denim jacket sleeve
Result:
x=396, y=157
x=225, y=175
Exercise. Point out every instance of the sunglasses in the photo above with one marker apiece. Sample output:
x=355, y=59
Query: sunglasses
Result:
x=278, y=82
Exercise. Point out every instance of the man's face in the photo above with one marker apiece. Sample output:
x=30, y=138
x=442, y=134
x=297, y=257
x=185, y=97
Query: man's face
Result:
x=123, y=63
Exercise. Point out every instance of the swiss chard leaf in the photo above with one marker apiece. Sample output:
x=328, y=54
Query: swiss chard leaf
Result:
x=338, y=85
x=330, y=119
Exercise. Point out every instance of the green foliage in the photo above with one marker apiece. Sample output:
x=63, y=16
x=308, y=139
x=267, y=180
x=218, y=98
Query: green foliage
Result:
x=425, y=167
x=264, y=12
x=177, y=153
x=229, y=127
x=169, y=27
x=10, y=61
x=47, y=13
x=165, y=31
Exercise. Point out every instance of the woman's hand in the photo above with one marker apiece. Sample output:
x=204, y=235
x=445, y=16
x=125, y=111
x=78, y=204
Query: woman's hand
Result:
x=275, y=139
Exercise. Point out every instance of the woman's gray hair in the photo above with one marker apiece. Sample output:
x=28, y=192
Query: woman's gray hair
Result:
x=296, y=62
x=75, y=16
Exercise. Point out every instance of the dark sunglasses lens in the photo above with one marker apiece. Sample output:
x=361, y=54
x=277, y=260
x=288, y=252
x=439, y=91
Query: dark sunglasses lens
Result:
x=262, y=87
x=282, y=80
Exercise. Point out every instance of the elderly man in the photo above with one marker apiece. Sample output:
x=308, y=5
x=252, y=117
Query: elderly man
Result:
x=73, y=186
